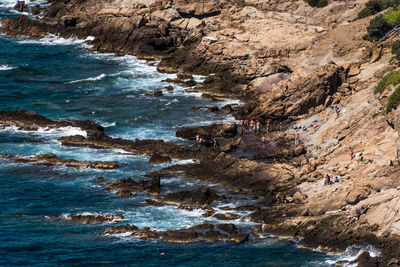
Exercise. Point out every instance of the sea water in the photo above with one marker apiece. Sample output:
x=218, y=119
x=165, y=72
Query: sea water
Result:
x=62, y=78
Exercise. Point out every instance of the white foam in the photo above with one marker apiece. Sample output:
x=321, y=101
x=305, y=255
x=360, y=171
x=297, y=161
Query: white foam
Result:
x=97, y=78
x=64, y=131
x=354, y=251
x=6, y=67
x=52, y=39
x=107, y=124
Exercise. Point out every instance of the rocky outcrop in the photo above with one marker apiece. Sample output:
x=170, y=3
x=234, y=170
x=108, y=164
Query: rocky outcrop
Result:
x=209, y=233
x=302, y=96
x=127, y=186
x=31, y=121
x=51, y=159
x=90, y=219
x=147, y=146
x=208, y=132
x=195, y=198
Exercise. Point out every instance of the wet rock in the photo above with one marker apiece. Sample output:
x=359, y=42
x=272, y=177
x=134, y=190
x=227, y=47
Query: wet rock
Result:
x=31, y=121
x=202, y=227
x=196, y=198
x=90, y=219
x=150, y=147
x=208, y=132
x=169, y=88
x=209, y=212
x=227, y=109
x=213, y=109
x=366, y=260
x=51, y=159
x=226, y=216
x=180, y=236
x=20, y=6
x=154, y=93
x=36, y=10
x=126, y=186
x=120, y=229
x=227, y=228
x=100, y=179
x=214, y=236
x=157, y=159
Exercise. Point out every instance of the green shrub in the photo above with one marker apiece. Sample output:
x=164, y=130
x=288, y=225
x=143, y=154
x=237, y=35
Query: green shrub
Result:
x=396, y=49
x=392, y=78
x=317, y=3
x=373, y=7
x=377, y=28
x=392, y=16
x=394, y=100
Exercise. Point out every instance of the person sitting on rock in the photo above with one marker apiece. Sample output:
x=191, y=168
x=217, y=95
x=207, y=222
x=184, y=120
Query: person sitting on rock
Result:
x=351, y=154
x=336, y=180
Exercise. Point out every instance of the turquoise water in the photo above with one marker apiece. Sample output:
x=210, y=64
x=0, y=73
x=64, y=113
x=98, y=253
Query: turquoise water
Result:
x=63, y=79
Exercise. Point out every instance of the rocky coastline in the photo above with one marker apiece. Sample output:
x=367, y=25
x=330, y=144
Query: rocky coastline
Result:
x=293, y=80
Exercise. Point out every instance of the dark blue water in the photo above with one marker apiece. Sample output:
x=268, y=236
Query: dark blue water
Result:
x=63, y=79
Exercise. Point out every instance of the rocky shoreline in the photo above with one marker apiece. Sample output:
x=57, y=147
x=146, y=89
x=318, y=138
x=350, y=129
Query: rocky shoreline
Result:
x=291, y=80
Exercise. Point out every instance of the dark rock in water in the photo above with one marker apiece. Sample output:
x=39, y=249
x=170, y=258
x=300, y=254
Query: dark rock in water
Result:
x=208, y=132
x=227, y=228
x=197, y=107
x=177, y=236
x=202, y=227
x=31, y=121
x=90, y=219
x=196, y=198
x=154, y=93
x=209, y=212
x=239, y=238
x=205, y=232
x=154, y=202
x=226, y=216
x=124, y=193
x=169, y=88
x=246, y=208
x=366, y=260
x=213, y=109
x=227, y=109
x=20, y=6
x=126, y=186
x=100, y=179
x=36, y=9
x=157, y=159
x=214, y=236
x=120, y=229
x=51, y=159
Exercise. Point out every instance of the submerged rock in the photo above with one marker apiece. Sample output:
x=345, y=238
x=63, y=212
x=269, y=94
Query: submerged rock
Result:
x=90, y=219
x=51, y=159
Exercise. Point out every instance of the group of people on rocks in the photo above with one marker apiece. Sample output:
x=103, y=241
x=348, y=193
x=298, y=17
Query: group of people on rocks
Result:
x=200, y=141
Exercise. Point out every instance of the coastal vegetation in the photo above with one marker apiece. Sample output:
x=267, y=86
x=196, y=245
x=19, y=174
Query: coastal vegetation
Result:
x=317, y=3
x=392, y=78
x=394, y=100
x=373, y=7
x=382, y=24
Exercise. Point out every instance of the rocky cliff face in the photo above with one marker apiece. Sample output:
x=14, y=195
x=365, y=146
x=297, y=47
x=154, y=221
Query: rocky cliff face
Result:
x=290, y=63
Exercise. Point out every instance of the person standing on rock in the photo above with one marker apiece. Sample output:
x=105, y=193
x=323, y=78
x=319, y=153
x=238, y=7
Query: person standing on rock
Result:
x=215, y=143
x=267, y=127
x=251, y=126
x=296, y=138
x=280, y=126
x=263, y=226
x=258, y=127
x=263, y=142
